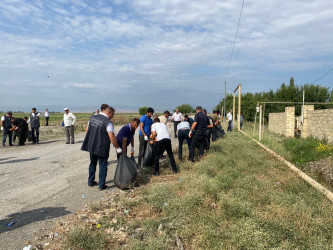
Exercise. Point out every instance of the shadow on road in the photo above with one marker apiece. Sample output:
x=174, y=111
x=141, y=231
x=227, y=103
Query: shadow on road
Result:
x=4, y=159
x=19, y=160
x=27, y=217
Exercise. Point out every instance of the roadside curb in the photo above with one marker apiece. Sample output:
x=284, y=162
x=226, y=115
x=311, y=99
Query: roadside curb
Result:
x=305, y=177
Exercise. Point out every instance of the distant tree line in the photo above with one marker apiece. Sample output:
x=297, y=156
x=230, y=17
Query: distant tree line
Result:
x=286, y=93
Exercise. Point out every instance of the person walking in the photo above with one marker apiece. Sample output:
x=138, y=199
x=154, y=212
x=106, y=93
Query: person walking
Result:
x=144, y=133
x=200, y=126
x=21, y=127
x=177, y=118
x=97, y=141
x=162, y=142
x=35, y=124
x=125, y=136
x=46, y=115
x=164, y=118
x=69, y=123
x=183, y=130
x=6, y=126
x=229, y=117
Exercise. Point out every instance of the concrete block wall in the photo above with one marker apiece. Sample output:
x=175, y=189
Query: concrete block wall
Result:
x=318, y=123
x=283, y=123
x=276, y=123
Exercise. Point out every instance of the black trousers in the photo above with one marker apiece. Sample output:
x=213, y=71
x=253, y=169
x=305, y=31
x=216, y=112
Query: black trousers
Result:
x=22, y=136
x=46, y=121
x=175, y=124
x=35, y=138
x=142, y=148
x=214, y=133
x=183, y=135
x=208, y=137
x=160, y=146
x=199, y=138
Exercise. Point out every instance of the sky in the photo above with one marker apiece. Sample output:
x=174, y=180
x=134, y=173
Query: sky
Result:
x=158, y=53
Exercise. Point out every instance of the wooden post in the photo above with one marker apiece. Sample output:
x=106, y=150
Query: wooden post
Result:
x=263, y=123
x=260, y=121
x=239, y=106
x=233, y=110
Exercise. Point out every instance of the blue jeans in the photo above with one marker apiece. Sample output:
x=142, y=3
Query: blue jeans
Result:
x=103, y=169
x=4, y=137
x=183, y=135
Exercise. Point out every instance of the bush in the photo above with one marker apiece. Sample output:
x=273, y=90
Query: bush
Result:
x=185, y=109
x=143, y=110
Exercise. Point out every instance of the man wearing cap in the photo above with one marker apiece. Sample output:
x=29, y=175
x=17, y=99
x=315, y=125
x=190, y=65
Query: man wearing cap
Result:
x=69, y=122
x=200, y=126
x=177, y=118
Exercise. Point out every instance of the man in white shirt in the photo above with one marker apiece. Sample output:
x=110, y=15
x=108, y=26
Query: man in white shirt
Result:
x=100, y=134
x=229, y=117
x=69, y=122
x=177, y=118
x=163, y=142
x=35, y=124
x=183, y=129
x=46, y=115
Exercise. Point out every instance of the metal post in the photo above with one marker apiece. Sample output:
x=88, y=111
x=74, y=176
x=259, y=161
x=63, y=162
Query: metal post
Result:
x=260, y=122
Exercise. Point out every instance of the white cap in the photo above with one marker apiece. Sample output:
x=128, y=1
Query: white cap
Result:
x=66, y=108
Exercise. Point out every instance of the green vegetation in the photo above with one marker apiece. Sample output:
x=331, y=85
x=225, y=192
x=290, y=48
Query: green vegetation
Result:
x=185, y=109
x=143, y=110
x=286, y=93
x=237, y=197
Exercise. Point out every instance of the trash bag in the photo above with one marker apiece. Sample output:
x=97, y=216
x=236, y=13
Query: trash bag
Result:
x=149, y=157
x=29, y=136
x=126, y=172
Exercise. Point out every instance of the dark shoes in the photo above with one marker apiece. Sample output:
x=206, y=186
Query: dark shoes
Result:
x=93, y=184
x=103, y=187
x=156, y=173
x=175, y=171
x=67, y=142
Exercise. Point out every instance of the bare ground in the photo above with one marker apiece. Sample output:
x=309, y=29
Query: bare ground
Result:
x=43, y=182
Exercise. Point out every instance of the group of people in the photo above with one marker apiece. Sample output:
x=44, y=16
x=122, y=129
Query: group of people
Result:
x=18, y=127
x=100, y=134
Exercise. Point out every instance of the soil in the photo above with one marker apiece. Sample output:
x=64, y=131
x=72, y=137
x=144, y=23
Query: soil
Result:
x=323, y=169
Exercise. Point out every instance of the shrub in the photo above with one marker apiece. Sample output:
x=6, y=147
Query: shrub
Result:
x=143, y=110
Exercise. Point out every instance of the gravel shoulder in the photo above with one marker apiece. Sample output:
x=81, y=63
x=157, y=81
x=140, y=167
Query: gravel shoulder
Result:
x=45, y=181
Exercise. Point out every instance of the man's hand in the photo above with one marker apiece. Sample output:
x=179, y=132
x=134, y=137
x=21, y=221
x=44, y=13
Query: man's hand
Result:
x=146, y=138
x=1, y=128
x=151, y=142
x=190, y=134
x=119, y=150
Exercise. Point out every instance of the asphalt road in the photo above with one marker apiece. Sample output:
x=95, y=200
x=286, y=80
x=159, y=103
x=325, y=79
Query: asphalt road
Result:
x=45, y=181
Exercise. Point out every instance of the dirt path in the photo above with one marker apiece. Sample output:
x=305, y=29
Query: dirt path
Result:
x=40, y=183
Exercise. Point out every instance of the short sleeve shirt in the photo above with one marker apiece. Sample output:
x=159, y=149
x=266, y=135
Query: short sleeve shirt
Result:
x=202, y=121
x=177, y=117
x=147, y=122
x=163, y=119
x=161, y=131
x=125, y=132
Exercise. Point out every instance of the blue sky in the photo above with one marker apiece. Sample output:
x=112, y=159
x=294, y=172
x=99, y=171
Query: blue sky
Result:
x=159, y=53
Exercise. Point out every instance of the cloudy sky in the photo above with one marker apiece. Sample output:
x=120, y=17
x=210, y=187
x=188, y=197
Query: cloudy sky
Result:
x=159, y=53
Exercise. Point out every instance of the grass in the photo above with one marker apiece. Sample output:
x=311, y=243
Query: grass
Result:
x=236, y=197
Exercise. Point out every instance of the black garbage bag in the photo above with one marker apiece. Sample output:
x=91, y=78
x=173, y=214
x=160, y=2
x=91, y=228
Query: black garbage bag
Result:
x=126, y=171
x=29, y=135
x=149, y=157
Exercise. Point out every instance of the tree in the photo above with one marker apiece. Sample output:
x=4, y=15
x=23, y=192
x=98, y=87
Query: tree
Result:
x=185, y=109
x=143, y=110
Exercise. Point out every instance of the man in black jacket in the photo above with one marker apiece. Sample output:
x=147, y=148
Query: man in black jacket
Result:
x=21, y=127
x=100, y=133
x=6, y=126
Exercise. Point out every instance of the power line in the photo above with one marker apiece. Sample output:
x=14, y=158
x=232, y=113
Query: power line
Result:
x=233, y=46
x=323, y=76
